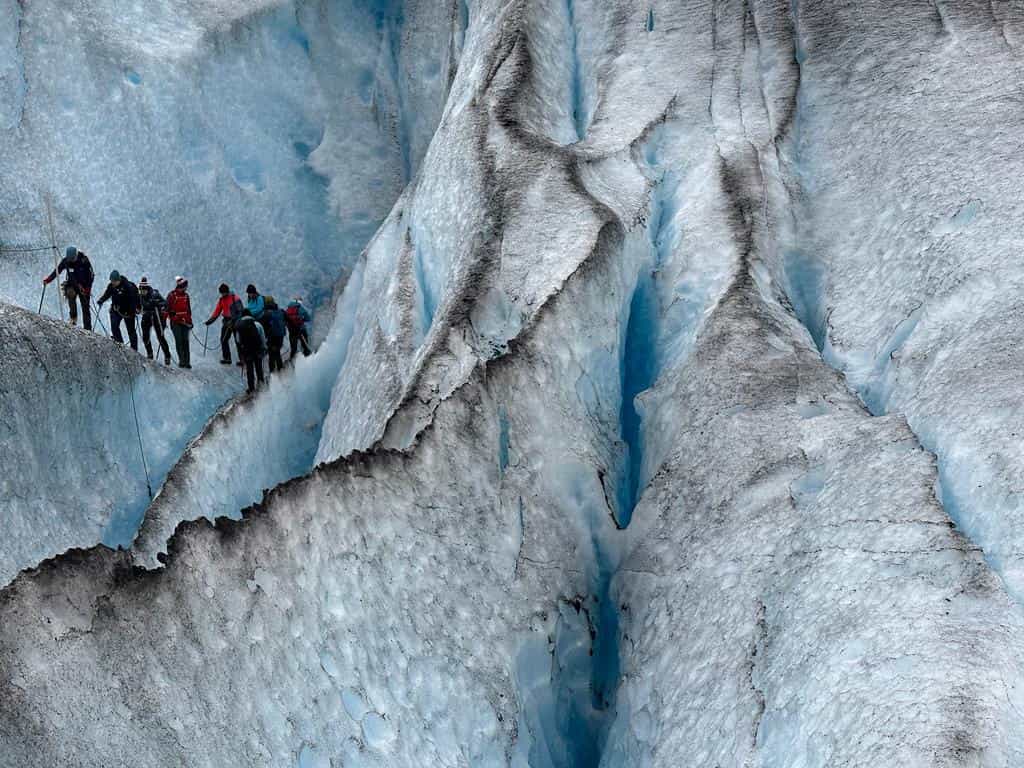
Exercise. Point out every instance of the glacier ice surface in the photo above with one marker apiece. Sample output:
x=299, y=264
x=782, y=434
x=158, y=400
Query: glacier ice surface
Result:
x=596, y=481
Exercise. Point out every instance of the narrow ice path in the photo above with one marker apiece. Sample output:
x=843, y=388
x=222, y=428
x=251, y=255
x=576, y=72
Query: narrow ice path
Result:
x=258, y=443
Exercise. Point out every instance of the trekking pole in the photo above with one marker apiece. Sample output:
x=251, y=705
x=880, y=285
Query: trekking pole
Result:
x=41, y=300
x=206, y=341
x=53, y=245
x=99, y=316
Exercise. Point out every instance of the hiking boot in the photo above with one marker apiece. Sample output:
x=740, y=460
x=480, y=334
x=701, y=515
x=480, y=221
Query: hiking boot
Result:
x=167, y=361
x=225, y=362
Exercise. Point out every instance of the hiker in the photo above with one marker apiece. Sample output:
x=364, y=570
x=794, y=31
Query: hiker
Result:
x=153, y=308
x=229, y=307
x=124, y=305
x=297, y=317
x=277, y=327
x=179, y=313
x=77, y=286
x=251, y=345
x=254, y=303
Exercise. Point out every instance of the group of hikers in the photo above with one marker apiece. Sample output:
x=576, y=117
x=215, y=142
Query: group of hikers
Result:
x=257, y=324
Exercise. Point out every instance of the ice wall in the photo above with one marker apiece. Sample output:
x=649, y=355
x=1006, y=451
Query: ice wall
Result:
x=258, y=141
x=915, y=273
x=73, y=471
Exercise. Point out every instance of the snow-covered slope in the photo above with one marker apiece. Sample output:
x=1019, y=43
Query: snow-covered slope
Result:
x=73, y=473
x=596, y=308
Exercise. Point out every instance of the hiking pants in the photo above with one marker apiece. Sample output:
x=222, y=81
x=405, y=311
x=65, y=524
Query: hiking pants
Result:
x=253, y=371
x=181, y=344
x=72, y=294
x=297, y=337
x=115, y=329
x=150, y=321
x=274, y=346
x=226, y=328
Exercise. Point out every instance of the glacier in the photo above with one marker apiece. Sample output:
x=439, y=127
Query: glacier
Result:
x=663, y=412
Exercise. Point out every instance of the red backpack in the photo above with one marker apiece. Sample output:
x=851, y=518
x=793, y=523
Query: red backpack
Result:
x=294, y=317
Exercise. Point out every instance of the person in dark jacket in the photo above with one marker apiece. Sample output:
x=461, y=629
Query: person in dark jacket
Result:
x=124, y=305
x=298, y=317
x=179, y=314
x=229, y=307
x=251, y=345
x=153, y=308
x=78, y=286
x=277, y=328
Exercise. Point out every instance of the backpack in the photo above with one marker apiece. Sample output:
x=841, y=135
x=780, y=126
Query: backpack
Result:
x=235, y=311
x=294, y=317
x=276, y=323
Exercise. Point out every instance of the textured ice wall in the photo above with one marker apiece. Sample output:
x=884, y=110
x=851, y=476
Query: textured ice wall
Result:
x=72, y=470
x=916, y=292
x=241, y=141
x=814, y=543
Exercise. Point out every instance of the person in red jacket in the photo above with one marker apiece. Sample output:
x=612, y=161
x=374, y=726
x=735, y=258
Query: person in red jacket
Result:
x=229, y=307
x=179, y=312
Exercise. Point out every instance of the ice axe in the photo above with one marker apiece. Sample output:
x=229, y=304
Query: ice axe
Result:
x=206, y=341
x=40, y=311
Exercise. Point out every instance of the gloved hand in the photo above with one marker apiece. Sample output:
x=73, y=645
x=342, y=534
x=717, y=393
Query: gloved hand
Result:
x=208, y=322
x=99, y=305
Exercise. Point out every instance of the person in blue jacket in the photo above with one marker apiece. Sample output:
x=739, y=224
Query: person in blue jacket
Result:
x=254, y=303
x=277, y=327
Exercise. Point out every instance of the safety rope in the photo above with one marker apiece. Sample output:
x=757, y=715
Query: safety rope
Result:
x=135, y=412
x=200, y=342
x=12, y=249
x=138, y=430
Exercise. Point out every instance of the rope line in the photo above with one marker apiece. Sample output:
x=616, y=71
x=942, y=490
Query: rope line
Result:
x=12, y=249
x=135, y=413
x=138, y=430
x=131, y=389
x=200, y=341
